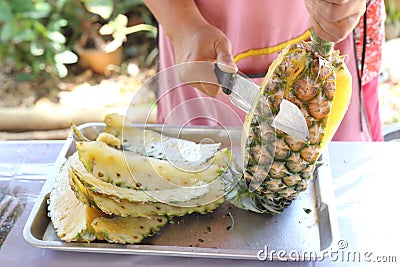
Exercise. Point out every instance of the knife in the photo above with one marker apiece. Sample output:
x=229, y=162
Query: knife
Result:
x=245, y=94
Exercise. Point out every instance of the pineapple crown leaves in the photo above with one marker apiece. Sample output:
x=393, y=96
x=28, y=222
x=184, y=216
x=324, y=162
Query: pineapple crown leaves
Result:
x=320, y=46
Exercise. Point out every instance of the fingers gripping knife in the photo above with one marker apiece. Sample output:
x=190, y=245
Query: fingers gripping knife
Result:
x=245, y=94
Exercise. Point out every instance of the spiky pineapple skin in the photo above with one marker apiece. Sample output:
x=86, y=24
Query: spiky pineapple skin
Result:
x=113, y=205
x=283, y=163
x=104, y=203
x=92, y=183
x=136, y=209
x=127, y=169
x=128, y=230
x=97, y=186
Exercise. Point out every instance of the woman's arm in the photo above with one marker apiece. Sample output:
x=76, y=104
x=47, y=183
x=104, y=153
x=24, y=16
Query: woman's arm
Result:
x=178, y=17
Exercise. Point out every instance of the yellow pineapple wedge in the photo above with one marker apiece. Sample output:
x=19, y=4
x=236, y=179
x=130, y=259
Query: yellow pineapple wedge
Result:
x=71, y=217
x=313, y=76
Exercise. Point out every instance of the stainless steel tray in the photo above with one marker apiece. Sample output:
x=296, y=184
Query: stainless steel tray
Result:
x=303, y=231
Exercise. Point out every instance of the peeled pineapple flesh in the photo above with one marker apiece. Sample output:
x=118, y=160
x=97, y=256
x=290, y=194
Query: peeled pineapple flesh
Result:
x=127, y=169
x=112, y=199
x=123, y=207
x=181, y=153
x=71, y=218
x=97, y=184
x=76, y=221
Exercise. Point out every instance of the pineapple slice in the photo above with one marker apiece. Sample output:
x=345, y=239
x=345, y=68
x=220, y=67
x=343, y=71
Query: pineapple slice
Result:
x=150, y=143
x=124, y=207
x=81, y=193
x=109, y=139
x=95, y=185
x=114, y=124
x=88, y=201
x=127, y=169
x=127, y=230
x=77, y=221
x=314, y=77
x=71, y=218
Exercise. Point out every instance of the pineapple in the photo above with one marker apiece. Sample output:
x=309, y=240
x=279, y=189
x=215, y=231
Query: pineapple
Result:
x=160, y=188
x=123, y=202
x=127, y=169
x=109, y=139
x=78, y=221
x=114, y=124
x=181, y=153
x=314, y=77
x=95, y=196
x=127, y=230
x=125, y=208
x=113, y=203
x=71, y=218
x=174, y=195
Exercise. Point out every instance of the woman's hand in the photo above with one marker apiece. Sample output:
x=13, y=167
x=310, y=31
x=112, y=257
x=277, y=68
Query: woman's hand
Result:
x=206, y=43
x=193, y=39
x=334, y=20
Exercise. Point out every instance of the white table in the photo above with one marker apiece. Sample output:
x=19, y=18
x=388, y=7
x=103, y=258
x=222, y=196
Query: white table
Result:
x=366, y=185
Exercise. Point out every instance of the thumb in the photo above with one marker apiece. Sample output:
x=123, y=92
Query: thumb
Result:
x=225, y=59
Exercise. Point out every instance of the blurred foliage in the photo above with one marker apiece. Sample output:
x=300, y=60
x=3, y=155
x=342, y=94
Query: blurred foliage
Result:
x=37, y=36
x=32, y=39
x=392, y=8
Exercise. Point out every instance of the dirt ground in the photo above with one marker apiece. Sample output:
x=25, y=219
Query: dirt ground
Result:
x=27, y=94
x=42, y=110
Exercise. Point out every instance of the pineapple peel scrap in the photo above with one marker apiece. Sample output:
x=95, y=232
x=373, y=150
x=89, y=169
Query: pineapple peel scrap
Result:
x=118, y=213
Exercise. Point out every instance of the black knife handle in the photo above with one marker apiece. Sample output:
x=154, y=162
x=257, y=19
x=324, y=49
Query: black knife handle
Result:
x=225, y=79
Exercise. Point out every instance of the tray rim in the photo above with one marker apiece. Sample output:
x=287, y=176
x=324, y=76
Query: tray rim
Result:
x=327, y=197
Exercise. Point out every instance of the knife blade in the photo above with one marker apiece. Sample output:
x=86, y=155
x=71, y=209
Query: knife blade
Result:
x=245, y=94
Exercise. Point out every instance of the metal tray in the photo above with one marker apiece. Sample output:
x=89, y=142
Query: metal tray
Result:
x=303, y=231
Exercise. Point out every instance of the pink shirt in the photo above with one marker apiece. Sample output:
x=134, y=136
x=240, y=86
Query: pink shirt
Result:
x=250, y=24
